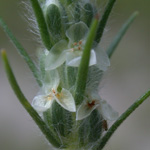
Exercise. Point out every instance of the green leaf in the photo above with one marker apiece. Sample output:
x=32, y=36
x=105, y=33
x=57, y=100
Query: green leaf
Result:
x=120, y=34
x=104, y=19
x=102, y=142
x=41, y=24
x=21, y=51
x=48, y=134
x=84, y=65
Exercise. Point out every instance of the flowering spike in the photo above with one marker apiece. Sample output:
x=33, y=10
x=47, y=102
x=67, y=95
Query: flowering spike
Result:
x=68, y=109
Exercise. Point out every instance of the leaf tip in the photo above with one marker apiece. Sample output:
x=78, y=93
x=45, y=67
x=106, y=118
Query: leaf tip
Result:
x=3, y=52
x=136, y=13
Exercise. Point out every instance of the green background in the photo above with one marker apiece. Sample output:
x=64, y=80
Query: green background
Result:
x=126, y=80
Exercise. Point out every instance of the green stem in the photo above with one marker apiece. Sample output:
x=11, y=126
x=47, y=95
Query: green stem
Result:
x=102, y=142
x=83, y=68
x=104, y=19
x=21, y=51
x=48, y=134
x=41, y=24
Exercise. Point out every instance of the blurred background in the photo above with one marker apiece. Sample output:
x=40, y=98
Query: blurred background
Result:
x=125, y=81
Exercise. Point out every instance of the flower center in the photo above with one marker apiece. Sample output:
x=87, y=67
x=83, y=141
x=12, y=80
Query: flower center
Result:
x=91, y=104
x=77, y=46
x=56, y=94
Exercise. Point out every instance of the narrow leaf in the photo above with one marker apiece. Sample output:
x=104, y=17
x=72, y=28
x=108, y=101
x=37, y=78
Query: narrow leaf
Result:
x=48, y=134
x=104, y=19
x=120, y=34
x=120, y=120
x=83, y=68
x=21, y=51
x=41, y=24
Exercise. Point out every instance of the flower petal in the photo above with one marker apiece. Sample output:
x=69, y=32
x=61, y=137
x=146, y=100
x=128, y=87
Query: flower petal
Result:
x=56, y=56
x=51, y=81
x=74, y=62
x=92, y=58
x=66, y=100
x=77, y=32
x=85, y=110
x=102, y=59
x=41, y=103
x=107, y=111
x=74, y=58
x=71, y=55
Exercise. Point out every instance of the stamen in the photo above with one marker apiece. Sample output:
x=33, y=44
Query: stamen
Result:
x=58, y=95
x=91, y=104
x=105, y=125
x=80, y=42
x=53, y=91
x=79, y=48
x=75, y=44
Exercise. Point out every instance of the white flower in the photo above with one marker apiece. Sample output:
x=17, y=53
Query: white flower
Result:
x=50, y=93
x=49, y=2
x=86, y=108
x=71, y=52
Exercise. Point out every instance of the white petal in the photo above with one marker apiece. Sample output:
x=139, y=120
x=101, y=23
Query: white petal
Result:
x=77, y=32
x=52, y=80
x=85, y=110
x=40, y=103
x=74, y=59
x=56, y=56
x=49, y=2
x=107, y=111
x=102, y=59
x=66, y=100
x=74, y=62
x=92, y=58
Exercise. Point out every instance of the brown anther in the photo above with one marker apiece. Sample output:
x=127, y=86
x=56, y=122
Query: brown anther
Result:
x=58, y=95
x=105, y=125
x=91, y=104
x=80, y=42
x=79, y=48
x=75, y=44
x=53, y=91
